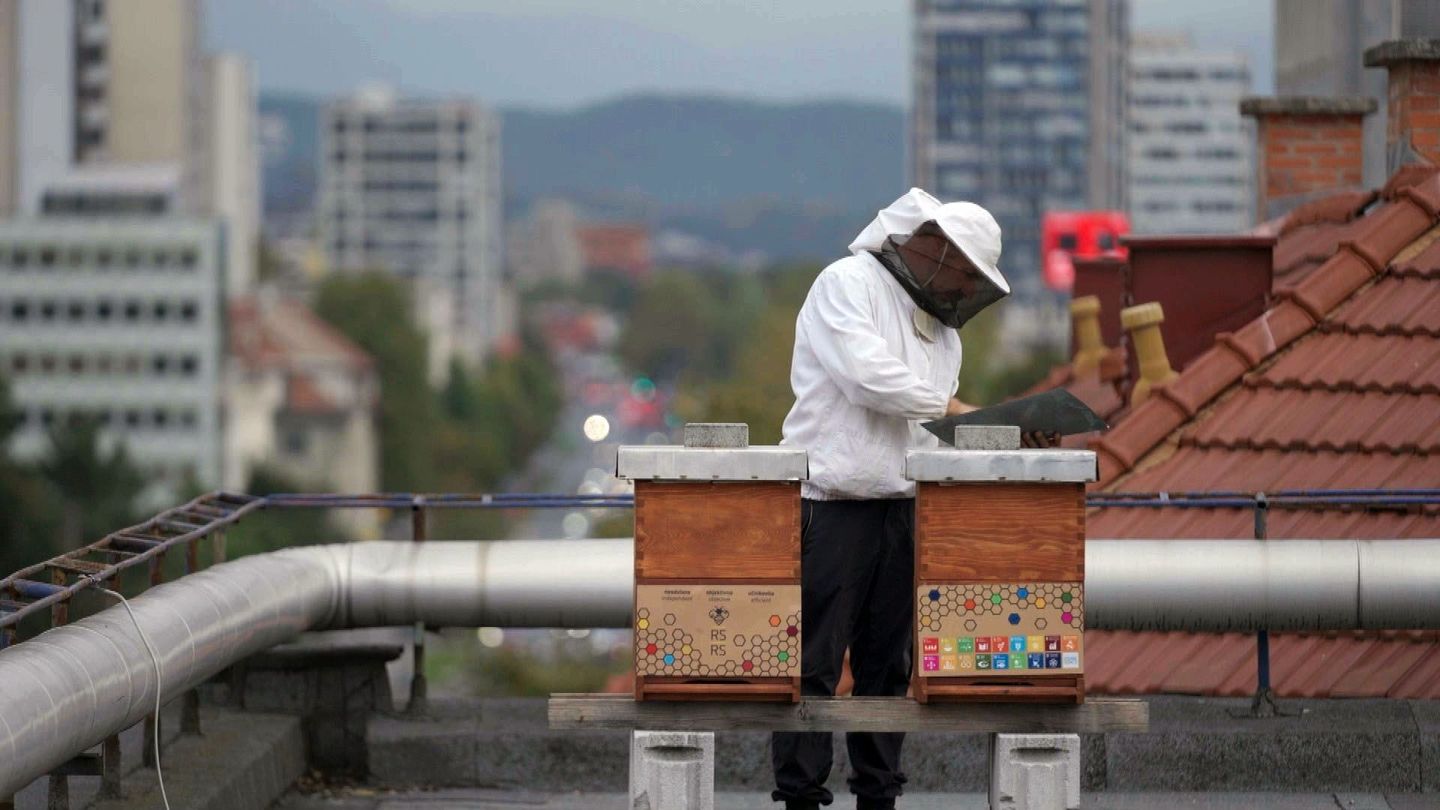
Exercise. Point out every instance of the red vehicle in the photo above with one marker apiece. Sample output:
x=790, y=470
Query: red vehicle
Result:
x=1069, y=235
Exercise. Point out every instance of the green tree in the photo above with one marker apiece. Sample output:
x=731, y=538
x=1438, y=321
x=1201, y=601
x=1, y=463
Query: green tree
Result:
x=374, y=310
x=671, y=328
x=273, y=529
x=986, y=378
x=28, y=529
x=757, y=389
x=97, y=486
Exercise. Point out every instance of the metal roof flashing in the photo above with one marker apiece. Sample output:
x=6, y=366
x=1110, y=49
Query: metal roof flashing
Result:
x=679, y=463
x=1047, y=466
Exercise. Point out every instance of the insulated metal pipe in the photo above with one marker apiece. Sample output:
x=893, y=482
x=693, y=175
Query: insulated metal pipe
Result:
x=68, y=689
x=1248, y=585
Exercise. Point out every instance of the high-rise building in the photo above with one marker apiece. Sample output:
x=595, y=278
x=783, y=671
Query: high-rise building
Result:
x=9, y=109
x=231, y=185
x=413, y=188
x=1018, y=105
x=119, y=321
x=45, y=119
x=1318, y=52
x=127, y=171
x=1191, y=165
x=545, y=247
x=99, y=85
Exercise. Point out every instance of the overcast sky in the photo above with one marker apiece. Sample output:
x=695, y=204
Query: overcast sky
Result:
x=561, y=53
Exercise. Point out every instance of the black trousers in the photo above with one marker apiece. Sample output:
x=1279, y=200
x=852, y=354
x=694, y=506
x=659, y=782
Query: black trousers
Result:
x=857, y=592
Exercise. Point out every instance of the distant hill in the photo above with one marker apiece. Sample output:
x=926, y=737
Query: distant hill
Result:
x=790, y=179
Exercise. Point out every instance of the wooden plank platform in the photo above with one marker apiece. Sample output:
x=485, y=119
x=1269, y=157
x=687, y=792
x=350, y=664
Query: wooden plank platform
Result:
x=1097, y=715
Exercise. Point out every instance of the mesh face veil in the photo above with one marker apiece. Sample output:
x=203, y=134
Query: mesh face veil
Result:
x=953, y=293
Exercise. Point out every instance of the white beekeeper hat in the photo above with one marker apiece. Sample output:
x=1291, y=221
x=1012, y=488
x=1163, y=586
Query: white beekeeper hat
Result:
x=968, y=226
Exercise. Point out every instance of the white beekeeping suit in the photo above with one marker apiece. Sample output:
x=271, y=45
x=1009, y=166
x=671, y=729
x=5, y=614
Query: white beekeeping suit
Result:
x=869, y=364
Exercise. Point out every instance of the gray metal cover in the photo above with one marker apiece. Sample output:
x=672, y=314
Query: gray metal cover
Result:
x=676, y=463
x=1069, y=466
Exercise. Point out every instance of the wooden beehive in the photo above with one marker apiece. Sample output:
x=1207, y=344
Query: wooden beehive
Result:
x=717, y=571
x=1000, y=574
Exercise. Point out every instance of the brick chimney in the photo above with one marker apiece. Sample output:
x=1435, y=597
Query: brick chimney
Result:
x=1206, y=284
x=1308, y=146
x=1412, y=126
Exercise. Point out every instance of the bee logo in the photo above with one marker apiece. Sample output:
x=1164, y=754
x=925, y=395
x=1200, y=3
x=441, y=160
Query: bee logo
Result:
x=719, y=614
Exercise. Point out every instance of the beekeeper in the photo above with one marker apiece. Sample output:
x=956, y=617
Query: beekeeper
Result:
x=876, y=353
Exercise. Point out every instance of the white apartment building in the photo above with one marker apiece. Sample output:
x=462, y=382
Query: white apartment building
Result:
x=1191, y=153
x=119, y=320
x=98, y=90
x=412, y=188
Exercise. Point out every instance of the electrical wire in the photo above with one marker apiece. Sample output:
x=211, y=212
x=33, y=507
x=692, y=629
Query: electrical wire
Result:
x=154, y=659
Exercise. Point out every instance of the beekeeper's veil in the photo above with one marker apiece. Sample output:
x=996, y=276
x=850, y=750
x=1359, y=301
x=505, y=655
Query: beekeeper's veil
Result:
x=944, y=288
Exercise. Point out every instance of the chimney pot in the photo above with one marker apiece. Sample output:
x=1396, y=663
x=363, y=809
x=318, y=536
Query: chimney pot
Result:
x=1330, y=130
x=1412, y=113
x=1143, y=321
x=1089, y=346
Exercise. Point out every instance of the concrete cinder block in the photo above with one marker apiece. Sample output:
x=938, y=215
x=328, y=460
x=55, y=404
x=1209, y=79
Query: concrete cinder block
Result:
x=987, y=437
x=717, y=434
x=672, y=770
x=1035, y=772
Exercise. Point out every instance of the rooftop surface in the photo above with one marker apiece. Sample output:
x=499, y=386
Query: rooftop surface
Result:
x=508, y=800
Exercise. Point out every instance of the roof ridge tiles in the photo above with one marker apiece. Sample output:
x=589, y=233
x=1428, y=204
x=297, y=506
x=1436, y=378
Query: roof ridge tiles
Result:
x=1411, y=271
x=1333, y=209
x=1308, y=305
x=1384, y=235
x=1365, y=253
x=1313, y=446
x=1331, y=327
x=1256, y=381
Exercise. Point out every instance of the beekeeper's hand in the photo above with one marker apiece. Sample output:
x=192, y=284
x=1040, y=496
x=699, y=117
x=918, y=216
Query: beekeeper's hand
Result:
x=956, y=407
x=1039, y=439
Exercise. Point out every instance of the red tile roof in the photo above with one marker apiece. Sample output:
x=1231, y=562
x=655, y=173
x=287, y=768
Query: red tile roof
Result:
x=1394, y=665
x=286, y=335
x=617, y=247
x=1324, y=302
x=1336, y=386
x=304, y=396
x=1311, y=233
x=285, y=330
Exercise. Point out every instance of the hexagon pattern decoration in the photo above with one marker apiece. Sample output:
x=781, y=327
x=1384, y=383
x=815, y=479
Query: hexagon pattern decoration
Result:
x=717, y=631
x=977, y=629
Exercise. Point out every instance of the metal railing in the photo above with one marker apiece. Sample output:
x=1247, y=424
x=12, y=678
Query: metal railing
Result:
x=52, y=585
